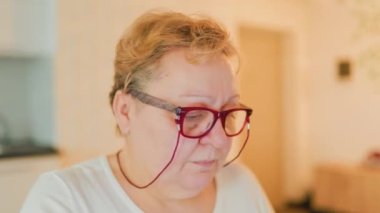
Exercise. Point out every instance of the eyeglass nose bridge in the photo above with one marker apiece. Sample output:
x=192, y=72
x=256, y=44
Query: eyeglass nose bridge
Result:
x=217, y=115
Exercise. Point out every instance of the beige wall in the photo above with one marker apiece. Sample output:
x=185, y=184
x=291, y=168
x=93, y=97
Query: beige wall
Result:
x=87, y=33
x=344, y=115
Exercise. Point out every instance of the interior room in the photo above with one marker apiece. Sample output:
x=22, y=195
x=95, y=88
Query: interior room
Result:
x=310, y=70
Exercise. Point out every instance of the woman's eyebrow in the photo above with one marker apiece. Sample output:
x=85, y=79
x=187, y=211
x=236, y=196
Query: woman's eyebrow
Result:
x=205, y=100
x=236, y=96
x=233, y=100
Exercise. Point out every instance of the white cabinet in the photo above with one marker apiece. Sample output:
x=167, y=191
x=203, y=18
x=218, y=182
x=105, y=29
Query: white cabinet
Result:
x=27, y=28
x=17, y=175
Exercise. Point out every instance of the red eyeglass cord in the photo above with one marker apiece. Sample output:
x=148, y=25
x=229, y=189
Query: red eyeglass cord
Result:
x=170, y=161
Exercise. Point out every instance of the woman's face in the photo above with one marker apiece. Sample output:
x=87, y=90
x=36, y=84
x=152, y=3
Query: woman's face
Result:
x=153, y=132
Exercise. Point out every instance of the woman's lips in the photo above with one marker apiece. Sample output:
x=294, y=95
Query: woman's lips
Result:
x=205, y=163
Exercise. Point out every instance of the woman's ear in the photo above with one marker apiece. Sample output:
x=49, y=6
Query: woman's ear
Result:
x=121, y=110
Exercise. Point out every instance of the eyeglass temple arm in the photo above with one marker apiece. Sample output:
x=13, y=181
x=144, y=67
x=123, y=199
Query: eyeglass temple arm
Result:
x=153, y=101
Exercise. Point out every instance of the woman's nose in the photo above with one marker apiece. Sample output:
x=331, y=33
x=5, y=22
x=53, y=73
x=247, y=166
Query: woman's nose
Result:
x=216, y=137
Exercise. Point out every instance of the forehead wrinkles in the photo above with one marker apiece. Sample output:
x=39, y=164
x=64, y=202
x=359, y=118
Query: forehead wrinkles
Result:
x=174, y=65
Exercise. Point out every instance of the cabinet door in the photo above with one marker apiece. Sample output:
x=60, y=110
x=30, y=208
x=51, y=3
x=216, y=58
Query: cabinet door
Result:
x=17, y=177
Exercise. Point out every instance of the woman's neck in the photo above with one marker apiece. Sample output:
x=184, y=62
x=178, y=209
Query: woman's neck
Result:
x=154, y=199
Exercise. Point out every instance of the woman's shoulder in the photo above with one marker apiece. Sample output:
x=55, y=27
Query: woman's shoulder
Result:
x=79, y=174
x=93, y=168
x=57, y=190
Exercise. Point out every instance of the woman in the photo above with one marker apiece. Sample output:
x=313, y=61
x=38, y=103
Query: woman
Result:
x=176, y=104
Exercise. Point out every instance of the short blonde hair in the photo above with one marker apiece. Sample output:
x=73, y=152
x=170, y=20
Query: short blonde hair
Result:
x=156, y=33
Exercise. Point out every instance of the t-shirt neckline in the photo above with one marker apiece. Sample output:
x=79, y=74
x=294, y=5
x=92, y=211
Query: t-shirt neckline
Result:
x=119, y=189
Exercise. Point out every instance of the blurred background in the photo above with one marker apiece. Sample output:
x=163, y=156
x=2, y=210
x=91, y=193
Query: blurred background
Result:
x=310, y=70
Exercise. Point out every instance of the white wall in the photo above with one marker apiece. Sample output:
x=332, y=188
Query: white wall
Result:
x=344, y=115
x=88, y=31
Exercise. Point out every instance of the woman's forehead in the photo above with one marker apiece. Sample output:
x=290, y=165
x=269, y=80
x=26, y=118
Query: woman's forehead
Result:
x=208, y=81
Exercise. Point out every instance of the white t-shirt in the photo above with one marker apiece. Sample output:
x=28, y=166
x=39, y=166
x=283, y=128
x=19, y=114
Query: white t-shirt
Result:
x=91, y=187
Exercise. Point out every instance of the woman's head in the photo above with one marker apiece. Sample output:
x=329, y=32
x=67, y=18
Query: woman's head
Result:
x=184, y=62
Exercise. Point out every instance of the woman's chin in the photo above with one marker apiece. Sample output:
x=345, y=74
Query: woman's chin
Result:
x=196, y=183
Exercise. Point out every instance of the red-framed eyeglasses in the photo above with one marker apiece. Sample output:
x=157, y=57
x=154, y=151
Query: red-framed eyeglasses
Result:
x=197, y=122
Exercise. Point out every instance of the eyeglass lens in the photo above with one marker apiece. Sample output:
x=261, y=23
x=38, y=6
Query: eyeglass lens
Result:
x=197, y=122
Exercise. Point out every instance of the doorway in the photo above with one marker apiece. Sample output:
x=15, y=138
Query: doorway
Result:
x=261, y=88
